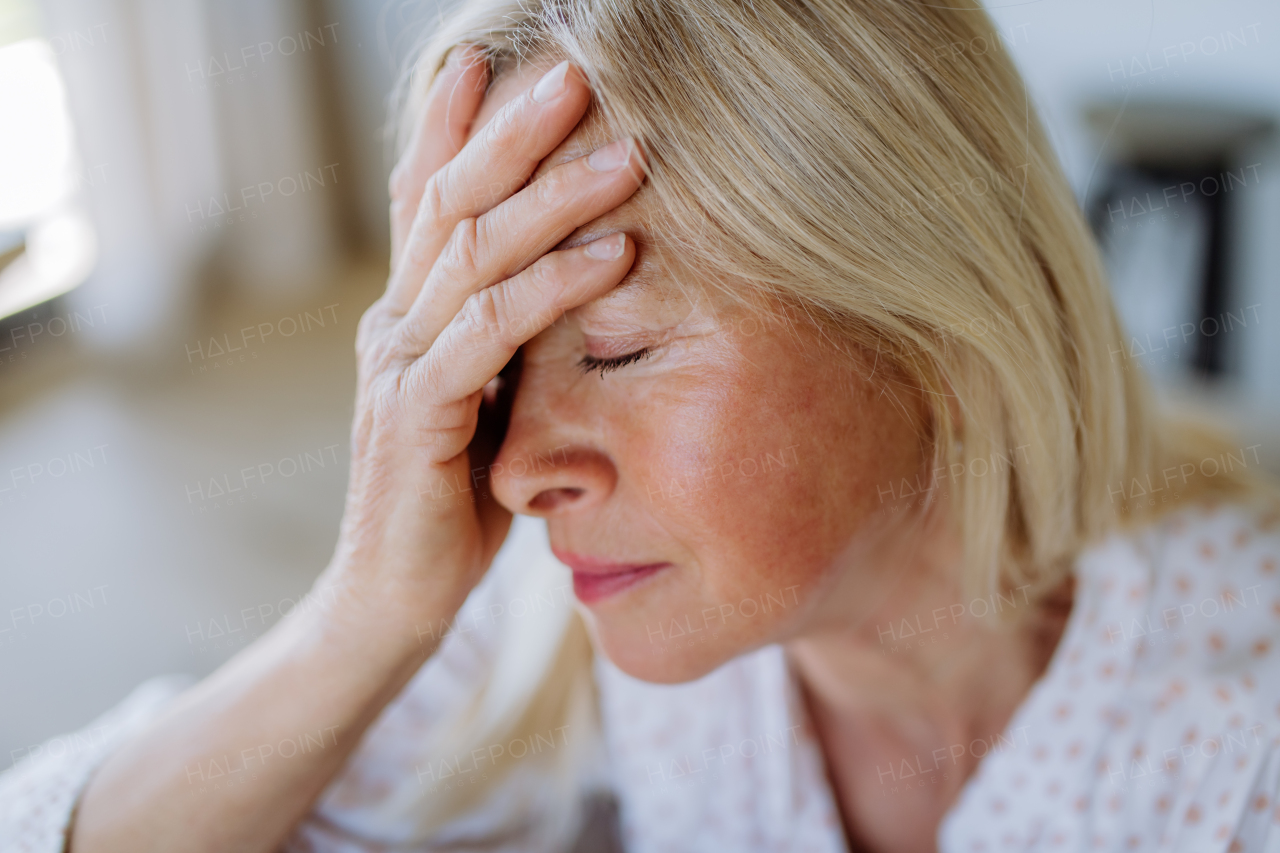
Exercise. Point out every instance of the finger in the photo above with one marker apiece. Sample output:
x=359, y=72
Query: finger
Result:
x=513, y=235
x=496, y=162
x=441, y=132
x=498, y=320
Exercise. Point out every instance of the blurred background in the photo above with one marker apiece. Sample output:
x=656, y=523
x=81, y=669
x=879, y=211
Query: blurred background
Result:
x=193, y=218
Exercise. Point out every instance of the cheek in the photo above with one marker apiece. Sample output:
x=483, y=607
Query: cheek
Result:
x=761, y=472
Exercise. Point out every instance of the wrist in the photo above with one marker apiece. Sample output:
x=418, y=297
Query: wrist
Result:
x=380, y=631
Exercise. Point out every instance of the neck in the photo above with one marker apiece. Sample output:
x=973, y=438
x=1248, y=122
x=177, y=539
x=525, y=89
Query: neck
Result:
x=907, y=695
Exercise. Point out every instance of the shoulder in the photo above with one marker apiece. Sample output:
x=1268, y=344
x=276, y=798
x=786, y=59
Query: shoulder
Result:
x=1158, y=720
x=1193, y=743
x=1200, y=599
x=1177, y=625
x=38, y=795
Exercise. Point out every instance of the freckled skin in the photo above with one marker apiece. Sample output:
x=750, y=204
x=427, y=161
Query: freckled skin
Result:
x=737, y=458
x=667, y=459
x=668, y=455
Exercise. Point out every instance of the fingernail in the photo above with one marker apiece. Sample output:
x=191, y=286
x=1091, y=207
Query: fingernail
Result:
x=607, y=248
x=611, y=157
x=551, y=84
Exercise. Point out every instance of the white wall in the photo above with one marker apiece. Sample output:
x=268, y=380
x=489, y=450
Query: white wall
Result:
x=1078, y=53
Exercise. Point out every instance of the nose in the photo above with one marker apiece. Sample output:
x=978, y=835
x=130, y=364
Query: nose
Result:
x=546, y=478
x=548, y=465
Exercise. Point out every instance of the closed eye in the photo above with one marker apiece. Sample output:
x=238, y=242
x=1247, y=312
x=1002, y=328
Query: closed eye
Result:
x=590, y=363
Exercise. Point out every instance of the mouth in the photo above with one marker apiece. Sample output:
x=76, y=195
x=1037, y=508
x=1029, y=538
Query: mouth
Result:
x=595, y=580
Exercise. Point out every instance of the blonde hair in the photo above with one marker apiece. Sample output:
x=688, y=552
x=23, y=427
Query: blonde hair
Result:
x=878, y=162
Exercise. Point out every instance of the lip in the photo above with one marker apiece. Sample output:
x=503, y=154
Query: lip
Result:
x=595, y=579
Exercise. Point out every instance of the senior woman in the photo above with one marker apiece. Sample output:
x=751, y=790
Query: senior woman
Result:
x=782, y=318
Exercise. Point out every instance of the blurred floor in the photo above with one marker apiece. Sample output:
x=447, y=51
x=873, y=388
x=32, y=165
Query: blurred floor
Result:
x=155, y=519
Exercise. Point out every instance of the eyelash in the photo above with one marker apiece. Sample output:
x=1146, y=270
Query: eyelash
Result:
x=590, y=363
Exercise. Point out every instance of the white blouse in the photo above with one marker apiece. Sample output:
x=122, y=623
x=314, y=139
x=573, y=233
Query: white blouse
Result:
x=1156, y=726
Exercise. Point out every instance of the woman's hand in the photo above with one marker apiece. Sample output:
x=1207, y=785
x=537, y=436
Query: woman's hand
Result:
x=471, y=281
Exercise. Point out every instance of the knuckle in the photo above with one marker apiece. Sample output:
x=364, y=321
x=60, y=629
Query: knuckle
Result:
x=398, y=183
x=363, y=338
x=384, y=403
x=482, y=314
x=400, y=212
x=417, y=254
x=382, y=389
x=373, y=356
x=550, y=189
x=510, y=137
x=504, y=130
x=461, y=252
x=425, y=386
x=546, y=279
x=434, y=208
x=375, y=343
x=364, y=325
x=370, y=324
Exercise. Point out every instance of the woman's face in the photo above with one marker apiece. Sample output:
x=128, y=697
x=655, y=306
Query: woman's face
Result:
x=736, y=462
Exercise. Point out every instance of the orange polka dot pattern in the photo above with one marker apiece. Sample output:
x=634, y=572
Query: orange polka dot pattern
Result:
x=1157, y=723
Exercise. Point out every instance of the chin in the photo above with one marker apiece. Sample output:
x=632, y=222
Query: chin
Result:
x=670, y=630
x=662, y=659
